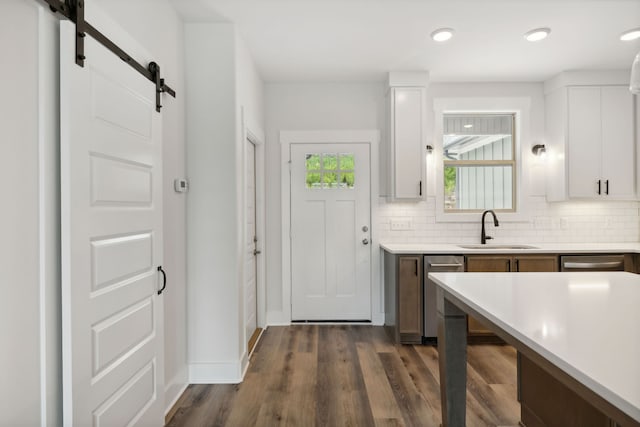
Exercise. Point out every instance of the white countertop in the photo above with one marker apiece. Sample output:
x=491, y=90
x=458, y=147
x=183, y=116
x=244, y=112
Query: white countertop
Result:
x=541, y=248
x=587, y=324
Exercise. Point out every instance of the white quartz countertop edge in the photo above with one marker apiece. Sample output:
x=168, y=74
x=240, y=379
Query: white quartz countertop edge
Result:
x=540, y=248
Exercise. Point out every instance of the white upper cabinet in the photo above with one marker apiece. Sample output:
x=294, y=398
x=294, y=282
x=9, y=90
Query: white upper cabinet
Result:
x=407, y=136
x=618, y=145
x=591, y=143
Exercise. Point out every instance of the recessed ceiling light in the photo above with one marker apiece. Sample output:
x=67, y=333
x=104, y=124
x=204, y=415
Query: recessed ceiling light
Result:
x=442, y=34
x=537, y=34
x=468, y=126
x=630, y=35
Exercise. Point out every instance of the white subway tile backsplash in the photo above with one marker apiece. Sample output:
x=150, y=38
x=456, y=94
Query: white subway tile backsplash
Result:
x=568, y=222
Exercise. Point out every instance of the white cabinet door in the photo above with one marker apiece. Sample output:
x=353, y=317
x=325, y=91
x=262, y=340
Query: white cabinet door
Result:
x=407, y=136
x=618, y=148
x=584, y=134
x=601, y=150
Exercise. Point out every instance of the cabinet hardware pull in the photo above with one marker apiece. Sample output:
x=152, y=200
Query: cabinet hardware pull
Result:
x=416, y=267
x=599, y=186
x=164, y=279
x=445, y=265
x=421, y=187
x=606, y=187
x=593, y=265
x=508, y=265
x=517, y=265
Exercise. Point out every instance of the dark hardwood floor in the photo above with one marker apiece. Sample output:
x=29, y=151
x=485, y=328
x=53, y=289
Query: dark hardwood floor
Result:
x=311, y=375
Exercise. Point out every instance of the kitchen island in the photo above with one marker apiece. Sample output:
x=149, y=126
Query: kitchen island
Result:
x=581, y=328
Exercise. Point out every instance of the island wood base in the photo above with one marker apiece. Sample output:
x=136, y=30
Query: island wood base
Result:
x=545, y=401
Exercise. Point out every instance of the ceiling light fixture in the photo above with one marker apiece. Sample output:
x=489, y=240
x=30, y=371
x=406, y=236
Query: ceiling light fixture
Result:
x=468, y=126
x=537, y=34
x=630, y=35
x=442, y=34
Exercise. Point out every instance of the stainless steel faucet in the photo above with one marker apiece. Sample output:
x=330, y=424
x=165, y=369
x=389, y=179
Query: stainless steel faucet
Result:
x=483, y=235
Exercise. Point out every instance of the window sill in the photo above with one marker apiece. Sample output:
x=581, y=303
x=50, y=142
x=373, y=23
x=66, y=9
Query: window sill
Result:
x=476, y=216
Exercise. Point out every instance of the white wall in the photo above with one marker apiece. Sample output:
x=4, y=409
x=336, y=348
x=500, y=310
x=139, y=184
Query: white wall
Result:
x=250, y=119
x=307, y=107
x=221, y=83
x=29, y=248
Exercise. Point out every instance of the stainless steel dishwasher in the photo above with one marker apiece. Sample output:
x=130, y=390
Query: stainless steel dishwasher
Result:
x=433, y=264
x=592, y=263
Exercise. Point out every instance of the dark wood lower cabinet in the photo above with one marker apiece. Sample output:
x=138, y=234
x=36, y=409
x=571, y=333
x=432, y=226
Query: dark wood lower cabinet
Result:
x=477, y=333
x=545, y=401
x=410, y=299
x=403, y=297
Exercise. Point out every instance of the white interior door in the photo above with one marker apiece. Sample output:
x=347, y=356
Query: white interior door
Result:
x=330, y=232
x=251, y=244
x=111, y=241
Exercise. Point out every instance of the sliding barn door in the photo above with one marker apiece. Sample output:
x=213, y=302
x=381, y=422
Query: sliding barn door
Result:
x=111, y=240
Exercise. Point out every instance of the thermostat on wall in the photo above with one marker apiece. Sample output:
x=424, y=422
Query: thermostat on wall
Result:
x=181, y=185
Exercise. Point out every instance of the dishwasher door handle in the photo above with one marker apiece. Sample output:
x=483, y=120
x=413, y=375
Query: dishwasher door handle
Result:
x=445, y=265
x=593, y=265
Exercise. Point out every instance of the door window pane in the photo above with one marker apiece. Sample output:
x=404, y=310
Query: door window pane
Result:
x=330, y=170
x=329, y=161
x=313, y=162
x=346, y=162
x=347, y=179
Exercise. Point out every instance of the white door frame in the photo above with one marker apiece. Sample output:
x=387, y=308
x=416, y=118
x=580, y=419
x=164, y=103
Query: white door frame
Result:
x=371, y=137
x=253, y=134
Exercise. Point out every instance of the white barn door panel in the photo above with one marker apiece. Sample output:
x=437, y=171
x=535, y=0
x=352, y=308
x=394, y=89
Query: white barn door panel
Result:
x=111, y=240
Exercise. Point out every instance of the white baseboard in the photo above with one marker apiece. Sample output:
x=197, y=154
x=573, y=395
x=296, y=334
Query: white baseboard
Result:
x=216, y=372
x=174, y=399
x=378, y=319
x=278, y=318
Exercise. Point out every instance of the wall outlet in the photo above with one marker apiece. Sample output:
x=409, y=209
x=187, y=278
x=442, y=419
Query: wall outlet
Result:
x=401, y=224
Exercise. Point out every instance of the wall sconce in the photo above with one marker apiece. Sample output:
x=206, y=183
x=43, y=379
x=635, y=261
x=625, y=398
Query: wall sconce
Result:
x=539, y=150
x=429, y=149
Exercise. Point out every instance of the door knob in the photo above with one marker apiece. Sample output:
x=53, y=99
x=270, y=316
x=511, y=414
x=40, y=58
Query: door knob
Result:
x=365, y=228
x=365, y=241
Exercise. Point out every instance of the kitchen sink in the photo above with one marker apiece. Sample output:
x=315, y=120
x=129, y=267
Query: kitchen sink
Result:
x=497, y=247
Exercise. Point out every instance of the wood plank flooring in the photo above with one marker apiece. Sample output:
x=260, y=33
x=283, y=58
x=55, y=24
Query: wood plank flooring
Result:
x=350, y=375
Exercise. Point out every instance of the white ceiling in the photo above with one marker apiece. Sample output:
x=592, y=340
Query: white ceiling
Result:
x=362, y=40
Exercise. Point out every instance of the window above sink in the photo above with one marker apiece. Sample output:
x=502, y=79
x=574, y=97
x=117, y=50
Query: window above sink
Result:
x=479, y=162
x=480, y=166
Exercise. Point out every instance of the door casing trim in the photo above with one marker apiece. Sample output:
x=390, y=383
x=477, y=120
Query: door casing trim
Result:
x=287, y=138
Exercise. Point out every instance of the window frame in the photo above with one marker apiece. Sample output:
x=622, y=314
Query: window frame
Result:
x=520, y=107
x=484, y=163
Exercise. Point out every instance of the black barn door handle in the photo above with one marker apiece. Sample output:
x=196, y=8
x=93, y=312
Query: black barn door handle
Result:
x=164, y=279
